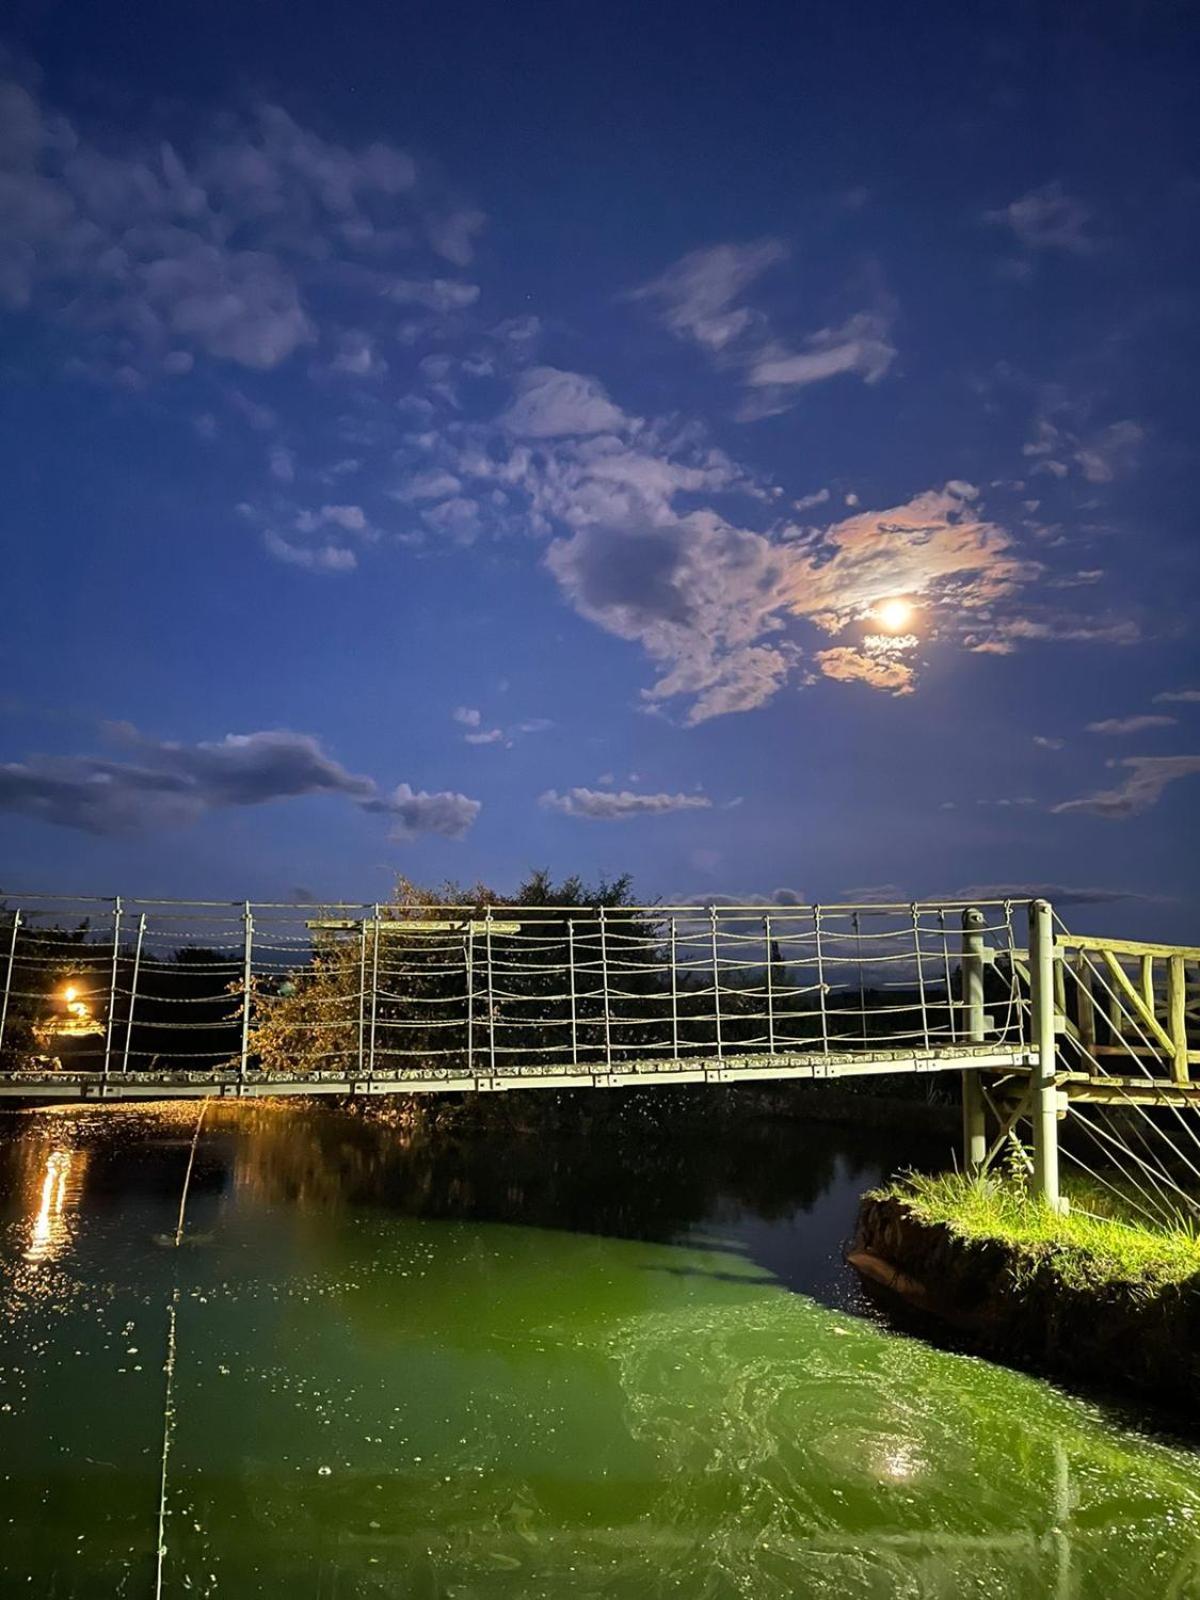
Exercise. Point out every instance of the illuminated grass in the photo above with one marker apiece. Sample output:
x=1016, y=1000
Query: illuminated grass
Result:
x=1089, y=1248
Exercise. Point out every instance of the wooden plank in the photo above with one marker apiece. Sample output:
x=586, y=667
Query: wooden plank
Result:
x=1177, y=1018
x=1147, y=1018
x=1127, y=947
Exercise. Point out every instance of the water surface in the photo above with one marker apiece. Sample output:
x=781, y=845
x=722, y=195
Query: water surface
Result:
x=610, y=1362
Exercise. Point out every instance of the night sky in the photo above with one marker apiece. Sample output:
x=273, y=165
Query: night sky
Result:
x=748, y=447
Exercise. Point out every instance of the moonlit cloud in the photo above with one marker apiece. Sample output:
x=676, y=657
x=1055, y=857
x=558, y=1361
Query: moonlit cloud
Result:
x=156, y=254
x=603, y=805
x=311, y=557
x=1048, y=219
x=861, y=346
x=848, y=665
x=415, y=812
x=697, y=300
x=1065, y=441
x=550, y=403
x=695, y=297
x=1124, y=725
x=1145, y=779
x=163, y=784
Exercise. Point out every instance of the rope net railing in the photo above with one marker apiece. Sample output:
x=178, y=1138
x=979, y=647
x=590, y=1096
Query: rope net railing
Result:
x=128, y=986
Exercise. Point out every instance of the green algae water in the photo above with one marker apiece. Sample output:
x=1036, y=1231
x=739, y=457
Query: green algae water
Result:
x=619, y=1362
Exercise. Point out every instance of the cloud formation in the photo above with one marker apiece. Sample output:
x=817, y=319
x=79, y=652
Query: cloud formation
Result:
x=550, y=403
x=1123, y=725
x=697, y=300
x=710, y=601
x=607, y=805
x=157, y=254
x=695, y=297
x=1146, y=778
x=1048, y=219
x=163, y=784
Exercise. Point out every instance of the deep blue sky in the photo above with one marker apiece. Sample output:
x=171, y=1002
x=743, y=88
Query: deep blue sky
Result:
x=456, y=438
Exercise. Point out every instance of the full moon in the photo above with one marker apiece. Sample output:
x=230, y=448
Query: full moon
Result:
x=894, y=615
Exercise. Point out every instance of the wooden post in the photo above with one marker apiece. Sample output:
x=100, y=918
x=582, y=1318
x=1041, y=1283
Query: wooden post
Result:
x=1177, y=1016
x=8, y=977
x=1045, y=1054
x=1147, y=978
x=1086, y=1003
x=974, y=1116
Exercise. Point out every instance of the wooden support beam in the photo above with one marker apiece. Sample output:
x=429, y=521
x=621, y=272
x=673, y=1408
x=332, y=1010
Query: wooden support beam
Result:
x=1147, y=1018
x=1177, y=1017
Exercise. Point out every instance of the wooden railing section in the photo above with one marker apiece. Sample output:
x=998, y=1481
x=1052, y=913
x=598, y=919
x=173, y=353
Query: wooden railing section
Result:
x=1147, y=1002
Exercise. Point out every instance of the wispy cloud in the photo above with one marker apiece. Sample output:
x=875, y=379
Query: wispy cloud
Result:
x=861, y=345
x=1124, y=725
x=1141, y=788
x=698, y=297
x=1048, y=219
x=163, y=784
x=159, y=254
x=1059, y=894
x=471, y=718
x=1065, y=440
x=1182, y=697
x=609, y=805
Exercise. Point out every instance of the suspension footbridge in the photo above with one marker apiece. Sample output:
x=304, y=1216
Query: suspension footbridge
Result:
x=129, y=999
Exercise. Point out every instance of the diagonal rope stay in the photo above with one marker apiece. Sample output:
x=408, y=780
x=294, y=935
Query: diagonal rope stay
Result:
x=169, y=1365
x=1117, y=1001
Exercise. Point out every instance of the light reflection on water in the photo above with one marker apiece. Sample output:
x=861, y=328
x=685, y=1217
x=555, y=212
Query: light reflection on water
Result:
x=587, y=1361
x=59, y=1196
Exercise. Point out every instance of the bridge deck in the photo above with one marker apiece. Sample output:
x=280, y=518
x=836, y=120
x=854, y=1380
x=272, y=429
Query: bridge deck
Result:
x=71, y=1086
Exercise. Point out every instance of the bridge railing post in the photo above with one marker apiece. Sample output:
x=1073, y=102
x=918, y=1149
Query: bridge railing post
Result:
x=110, y=1021
x=375, y=917
x=247, y=987
x=133, y=983
x=770, y=954
x=604, y=991
x=821, y=986
x=716, y=965
x=572, y=992
x=8, y=975
x=673, y=957
x=1045, y=1053
x=362, y=991
x=974, y=1029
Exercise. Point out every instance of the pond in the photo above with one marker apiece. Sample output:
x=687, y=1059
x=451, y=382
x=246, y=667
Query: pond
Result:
x=612, y=1356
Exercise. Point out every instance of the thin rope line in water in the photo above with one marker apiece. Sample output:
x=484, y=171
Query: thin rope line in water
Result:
x=169, y=1366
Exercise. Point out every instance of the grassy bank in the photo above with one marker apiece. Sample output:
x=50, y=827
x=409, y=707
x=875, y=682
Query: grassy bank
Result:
x=1090, y=1247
